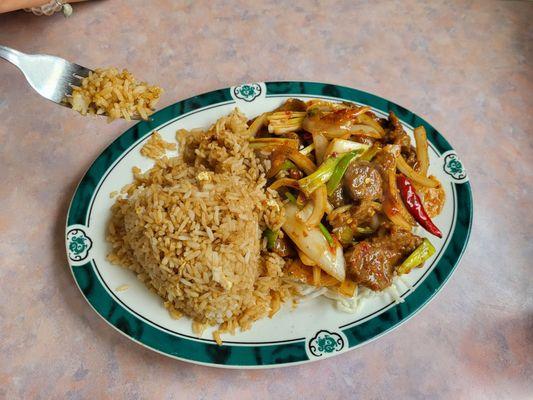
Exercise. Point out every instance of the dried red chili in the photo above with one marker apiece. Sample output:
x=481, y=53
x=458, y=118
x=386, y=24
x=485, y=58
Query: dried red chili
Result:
x=414, y=205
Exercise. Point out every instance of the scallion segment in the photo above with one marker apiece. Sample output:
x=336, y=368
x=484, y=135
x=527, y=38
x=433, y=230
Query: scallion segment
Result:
x=326, y=234
x=340, y=170
x=311, y=182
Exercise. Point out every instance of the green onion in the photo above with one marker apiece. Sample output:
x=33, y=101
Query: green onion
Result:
x=364, y=230
x=345, y=234
x=370, y=153
x=326, y=234
x=287, y=164
x=417, y=257
x=307, y=150
x=339, y=171
x=290, y=197
x=271, y=237
x=311, y=182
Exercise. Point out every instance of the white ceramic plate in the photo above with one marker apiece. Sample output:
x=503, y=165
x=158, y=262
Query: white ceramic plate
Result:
x=291, y=336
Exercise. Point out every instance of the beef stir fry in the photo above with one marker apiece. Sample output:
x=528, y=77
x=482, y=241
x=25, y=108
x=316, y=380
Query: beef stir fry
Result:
x=355, y=187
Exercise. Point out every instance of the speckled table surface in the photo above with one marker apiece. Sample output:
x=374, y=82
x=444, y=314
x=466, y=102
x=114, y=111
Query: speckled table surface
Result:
x=464, y=66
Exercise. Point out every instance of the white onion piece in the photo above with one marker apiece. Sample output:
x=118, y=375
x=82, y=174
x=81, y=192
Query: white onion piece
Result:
x=341, y=146
x=313, y=243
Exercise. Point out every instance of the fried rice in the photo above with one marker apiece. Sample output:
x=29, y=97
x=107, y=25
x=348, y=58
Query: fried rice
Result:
x=190, y=228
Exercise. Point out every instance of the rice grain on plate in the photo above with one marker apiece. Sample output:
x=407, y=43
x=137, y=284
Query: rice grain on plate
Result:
x=190, y=227
x=156, y=147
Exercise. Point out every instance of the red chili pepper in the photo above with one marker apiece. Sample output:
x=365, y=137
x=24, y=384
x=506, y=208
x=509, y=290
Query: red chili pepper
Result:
x=414, y=205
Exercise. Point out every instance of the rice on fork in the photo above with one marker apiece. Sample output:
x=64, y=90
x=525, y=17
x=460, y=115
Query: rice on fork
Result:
x=107, y=91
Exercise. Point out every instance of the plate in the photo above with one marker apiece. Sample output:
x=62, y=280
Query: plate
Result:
x=292, y=336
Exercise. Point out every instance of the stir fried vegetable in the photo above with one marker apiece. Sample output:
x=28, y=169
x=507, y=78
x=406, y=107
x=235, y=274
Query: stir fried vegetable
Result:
x=341, y=122
x=393, y=206
x=326, y=234
x=417, y=257
x=307, y=150
x=279, y=163
x=310, y=183
x=340, y=169
x=285, y=182
x=312, y=242
x=422, y=150
x=285, y=121
x=271, y=237
x=369, y=154
x=352, y=206
x=321, y=145
x=345, y=235
x=256, y=125
x=319, y=201
x=367, y=120
x=305, y=260
x=316, y=275
x=413, y=175
x=432, y=198
x=287, y=165
x=347, y=288
x=342, y=146
x=301, y=161
x=304, y=273
x=290, y=197
x=272, y=143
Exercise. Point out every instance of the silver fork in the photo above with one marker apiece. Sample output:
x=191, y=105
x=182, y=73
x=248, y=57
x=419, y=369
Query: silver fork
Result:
x=50, y=76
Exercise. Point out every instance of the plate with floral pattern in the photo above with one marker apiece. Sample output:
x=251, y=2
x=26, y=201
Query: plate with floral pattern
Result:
x=292, y=336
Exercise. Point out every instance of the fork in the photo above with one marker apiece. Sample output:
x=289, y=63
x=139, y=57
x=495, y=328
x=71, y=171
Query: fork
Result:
x=50, y=76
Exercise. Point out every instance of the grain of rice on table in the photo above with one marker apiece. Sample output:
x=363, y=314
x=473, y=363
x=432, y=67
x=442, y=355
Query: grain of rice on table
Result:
x=117, y=94
x=191, y=228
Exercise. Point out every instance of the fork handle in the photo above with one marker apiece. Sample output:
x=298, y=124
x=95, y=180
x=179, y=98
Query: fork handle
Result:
x=13, y=56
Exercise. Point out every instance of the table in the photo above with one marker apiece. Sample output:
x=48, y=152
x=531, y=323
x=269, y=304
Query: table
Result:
x=463, y=66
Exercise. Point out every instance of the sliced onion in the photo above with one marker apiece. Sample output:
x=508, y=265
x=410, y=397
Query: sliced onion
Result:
x=393, y=213
x=282, y=153
x=301, y=161
x=393, y=206
x=307, y=150
x=338, y=123
x=327, y=280
x=422, y=150
x=320, y=202
x=339, y=210
x=273, y=143
x=329, y=207
x=316, y=275
x=305, y=212
x=293, y=183
x=321, y=144
x=305, y=260
x=366, y=119
x=299, y=271
x=277, y=158
x=413, y=175
x=256, y=125
x=314, y=245
x=347, y=288
x=365, y=130
x=341, y=146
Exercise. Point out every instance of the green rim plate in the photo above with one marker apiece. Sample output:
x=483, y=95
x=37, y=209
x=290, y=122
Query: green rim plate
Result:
x=318, y=344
